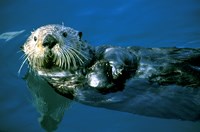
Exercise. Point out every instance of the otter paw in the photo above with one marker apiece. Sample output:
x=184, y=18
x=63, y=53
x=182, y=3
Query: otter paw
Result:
x=99, y=75
x=116, y=69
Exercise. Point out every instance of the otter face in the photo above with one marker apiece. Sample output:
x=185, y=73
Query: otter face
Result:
x=55, y=46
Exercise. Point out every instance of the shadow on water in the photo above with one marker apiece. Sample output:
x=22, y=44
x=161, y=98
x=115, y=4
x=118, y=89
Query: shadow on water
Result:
x=131, y=22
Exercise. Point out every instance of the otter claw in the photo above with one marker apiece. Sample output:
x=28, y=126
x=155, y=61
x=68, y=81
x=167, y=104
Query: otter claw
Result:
x=116, y=71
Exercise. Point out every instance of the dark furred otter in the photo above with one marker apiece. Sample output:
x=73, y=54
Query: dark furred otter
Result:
x=158, y=82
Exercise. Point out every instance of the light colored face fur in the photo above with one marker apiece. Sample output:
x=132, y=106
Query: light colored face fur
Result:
x=55, y=46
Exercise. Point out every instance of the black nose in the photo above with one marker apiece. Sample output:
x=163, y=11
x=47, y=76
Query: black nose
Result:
x=49, y=41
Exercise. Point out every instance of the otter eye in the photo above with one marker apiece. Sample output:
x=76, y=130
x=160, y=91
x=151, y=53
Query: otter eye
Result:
x=35, y=38
x=64, y=34
x=80, y=34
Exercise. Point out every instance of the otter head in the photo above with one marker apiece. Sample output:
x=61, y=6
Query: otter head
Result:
x=55, y=46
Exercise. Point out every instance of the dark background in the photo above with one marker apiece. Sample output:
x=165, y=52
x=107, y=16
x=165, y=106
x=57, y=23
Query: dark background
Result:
x=155, y=23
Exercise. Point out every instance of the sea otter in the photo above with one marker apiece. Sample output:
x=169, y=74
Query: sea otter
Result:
x=157, y=82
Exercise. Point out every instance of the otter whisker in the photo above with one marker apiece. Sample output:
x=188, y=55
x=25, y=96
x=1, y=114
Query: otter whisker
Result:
x=22, y=56
x=64, y=64
x=30, y=53
x=57, y=59
x=60, y=58
x=77, y=56
x=71, y=54
x=19, y=51
x=75, y=50
x=67, y=60
x=22, y=65
x=80, y=60
x=64, y=60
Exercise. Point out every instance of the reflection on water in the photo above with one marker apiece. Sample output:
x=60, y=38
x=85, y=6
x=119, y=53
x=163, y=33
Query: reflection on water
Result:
x=50, y=105
x=129, y=22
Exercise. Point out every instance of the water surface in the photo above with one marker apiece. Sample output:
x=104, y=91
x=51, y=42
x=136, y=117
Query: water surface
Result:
x=146, y=23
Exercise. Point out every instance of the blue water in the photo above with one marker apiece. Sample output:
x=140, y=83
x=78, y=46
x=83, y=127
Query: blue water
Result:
x=146, y=23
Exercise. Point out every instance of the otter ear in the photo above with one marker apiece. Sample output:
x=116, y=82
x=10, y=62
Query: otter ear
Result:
x=80, y=35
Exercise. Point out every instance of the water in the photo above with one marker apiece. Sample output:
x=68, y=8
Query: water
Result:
x=129, y=22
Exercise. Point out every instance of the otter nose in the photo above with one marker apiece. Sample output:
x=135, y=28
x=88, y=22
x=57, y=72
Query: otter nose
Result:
x=49, y=41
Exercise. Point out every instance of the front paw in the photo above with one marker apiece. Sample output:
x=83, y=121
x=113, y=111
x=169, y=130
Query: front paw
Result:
x=116, y=69
x=100, y=75
x=122, y=61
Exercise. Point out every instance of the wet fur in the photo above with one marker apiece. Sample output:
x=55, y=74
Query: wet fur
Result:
x=159, y=82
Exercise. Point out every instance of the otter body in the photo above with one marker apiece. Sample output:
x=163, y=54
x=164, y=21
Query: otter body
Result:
x=158, y=82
